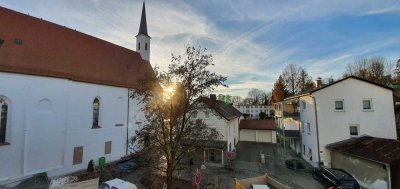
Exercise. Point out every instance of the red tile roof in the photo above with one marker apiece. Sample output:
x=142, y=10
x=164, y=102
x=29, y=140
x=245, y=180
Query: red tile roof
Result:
x=257, y=124
x=52, y=50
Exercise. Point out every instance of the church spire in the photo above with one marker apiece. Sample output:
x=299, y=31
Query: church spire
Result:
x=143, y=38
x=143, y=22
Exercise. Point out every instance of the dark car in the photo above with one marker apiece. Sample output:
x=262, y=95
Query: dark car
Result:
x=294, y=164
x=337, y=178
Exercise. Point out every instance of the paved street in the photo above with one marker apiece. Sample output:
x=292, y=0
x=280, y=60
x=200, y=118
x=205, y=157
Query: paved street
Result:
x=249, y=153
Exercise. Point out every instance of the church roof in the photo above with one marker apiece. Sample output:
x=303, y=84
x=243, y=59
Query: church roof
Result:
x=143, y=22
x=38, y=47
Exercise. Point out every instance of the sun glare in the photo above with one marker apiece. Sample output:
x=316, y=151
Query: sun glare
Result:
x=169, y=91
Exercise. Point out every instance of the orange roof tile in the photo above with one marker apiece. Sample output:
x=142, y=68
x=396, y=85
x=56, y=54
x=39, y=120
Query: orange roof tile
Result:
x=52, y=50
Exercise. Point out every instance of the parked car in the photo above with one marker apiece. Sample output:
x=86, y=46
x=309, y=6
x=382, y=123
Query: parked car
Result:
x=117, y=184
x=294, y=164
x=337, y=178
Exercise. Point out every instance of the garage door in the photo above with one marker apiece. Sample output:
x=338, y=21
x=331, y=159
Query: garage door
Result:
x=264, y=136
x=255, y=135
x=247, y=135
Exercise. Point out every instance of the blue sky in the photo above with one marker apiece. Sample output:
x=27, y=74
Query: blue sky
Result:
x=251, y=41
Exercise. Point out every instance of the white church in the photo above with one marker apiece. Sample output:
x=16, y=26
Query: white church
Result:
x=64, y=96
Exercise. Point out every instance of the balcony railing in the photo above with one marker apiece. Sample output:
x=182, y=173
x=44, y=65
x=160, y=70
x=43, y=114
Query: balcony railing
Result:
x=288, y=133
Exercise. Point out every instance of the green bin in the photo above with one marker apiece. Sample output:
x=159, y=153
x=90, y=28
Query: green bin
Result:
x=102, y=161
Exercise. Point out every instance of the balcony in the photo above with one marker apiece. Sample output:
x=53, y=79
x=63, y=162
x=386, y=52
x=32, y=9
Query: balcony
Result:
x=291, y=114
x=288, y=133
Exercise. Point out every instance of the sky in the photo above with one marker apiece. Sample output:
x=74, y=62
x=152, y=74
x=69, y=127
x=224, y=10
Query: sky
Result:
x=251, y=41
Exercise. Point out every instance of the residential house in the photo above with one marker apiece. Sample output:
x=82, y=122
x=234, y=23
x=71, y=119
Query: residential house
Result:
x=347, y=108
x=254, y=110
x=64, y=96
x=225, y=119
x=257, y=131
x=374, y=162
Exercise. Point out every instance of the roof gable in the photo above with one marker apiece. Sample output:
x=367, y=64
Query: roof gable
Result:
x=51, y=50
x=225, y=110
x=350, y=77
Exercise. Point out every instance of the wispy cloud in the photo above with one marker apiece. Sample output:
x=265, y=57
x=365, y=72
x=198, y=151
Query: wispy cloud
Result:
x=251, y=41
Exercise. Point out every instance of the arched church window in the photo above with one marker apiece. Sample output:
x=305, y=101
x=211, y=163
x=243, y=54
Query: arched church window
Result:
x=139, y=46
x=145, y=46
x=3, y=119
x=96, y=112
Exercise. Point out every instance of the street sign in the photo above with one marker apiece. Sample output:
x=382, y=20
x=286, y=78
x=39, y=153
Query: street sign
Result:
x=197, y=178
x=229, y=155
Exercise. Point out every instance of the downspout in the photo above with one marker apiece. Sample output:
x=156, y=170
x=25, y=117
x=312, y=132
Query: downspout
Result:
x=389, y=176
x=316, y=126
x=127, y=125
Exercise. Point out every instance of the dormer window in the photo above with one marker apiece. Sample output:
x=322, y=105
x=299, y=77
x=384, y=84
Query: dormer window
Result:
x=139, y=46
x=145, y=46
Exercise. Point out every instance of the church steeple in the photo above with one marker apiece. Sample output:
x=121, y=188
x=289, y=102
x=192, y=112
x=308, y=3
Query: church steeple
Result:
x=143, y=22
x=143, y=38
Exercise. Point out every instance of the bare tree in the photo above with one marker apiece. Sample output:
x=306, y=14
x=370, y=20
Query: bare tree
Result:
x=236, y=100
x=304, y=81
x=290, y=76
x=376, y=69
x=169, y=99
x=257, y=96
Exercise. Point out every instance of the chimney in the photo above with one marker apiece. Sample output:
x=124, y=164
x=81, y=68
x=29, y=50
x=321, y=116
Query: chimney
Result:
x=213, y=97
x=330, y=80
x=319, y=82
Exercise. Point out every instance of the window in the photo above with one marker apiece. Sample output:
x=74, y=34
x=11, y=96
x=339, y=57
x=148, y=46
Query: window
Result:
x=367, y=105
x=353, y=130
x=207, y=114
x=139, y=46
x=96, y=112
x=107, y=147
x=304, y=149
x=339, y=105
x=78, y=154
x=309, y=155
x=145, y=46
x=3, y=119
x=308, y=128
x=303, y=105
x=302, y=126
x=18, y=41
x=195, y=114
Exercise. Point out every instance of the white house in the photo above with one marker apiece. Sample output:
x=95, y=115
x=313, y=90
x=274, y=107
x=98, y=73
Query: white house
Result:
x=64, y=97
x=225, y=119
x=253, y=110
x=347, y=108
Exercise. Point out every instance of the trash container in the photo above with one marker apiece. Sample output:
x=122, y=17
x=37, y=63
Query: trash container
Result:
x=262, y=158
x=102, y=161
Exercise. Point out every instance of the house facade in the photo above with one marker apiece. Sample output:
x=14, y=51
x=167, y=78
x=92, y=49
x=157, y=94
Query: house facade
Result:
x=225, y=119
x=64, y=98
x=347, y=108
x=253, y=110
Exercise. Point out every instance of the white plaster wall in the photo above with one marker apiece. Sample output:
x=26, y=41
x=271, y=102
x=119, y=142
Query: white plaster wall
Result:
x=334, y=126
x=143, y=39
x=42, y=136
x=308, y=139
x=229, y=129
